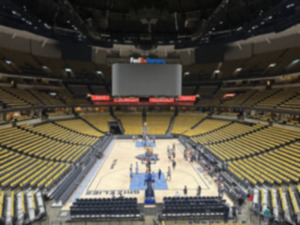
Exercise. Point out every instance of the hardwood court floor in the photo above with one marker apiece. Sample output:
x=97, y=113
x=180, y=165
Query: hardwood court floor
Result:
x=113, y=173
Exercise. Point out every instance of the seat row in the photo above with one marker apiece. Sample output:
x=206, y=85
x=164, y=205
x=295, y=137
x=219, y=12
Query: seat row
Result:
x=184, y=122
x=79, y=126
x=26, y=98
x=207, y=125
x=22, y=171
x=231, y=131
x=53, y=131
x=100, y=121
x=286, y=99
x=21, y=207
x=256, y=142
x=193, y=207
x=283, y=202
x=278, y=166
x=158, y=123
x=100, y=209
x=42, y=147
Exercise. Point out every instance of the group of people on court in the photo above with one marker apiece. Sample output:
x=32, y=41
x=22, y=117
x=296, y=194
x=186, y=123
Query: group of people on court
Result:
x=159, y=173
x=136, y=171
x=145, y=139
x=172, y=155
x=185, y=191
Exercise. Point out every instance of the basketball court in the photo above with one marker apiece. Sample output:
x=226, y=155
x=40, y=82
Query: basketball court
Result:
x=111, y=175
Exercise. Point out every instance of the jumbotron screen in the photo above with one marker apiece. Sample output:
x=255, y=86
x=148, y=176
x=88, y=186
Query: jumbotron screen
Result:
x=144, y=80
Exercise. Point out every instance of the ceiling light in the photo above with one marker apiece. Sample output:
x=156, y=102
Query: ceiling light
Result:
x=272, y=65
x=290, y=5
x=293, y=63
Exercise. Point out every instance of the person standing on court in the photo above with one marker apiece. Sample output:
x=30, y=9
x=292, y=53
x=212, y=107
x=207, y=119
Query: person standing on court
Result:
x=185, y=190
x=159, y=174
x=169, y=174
x=220, y=189
x=136, y=170
x=173, y=164
x=198, y=191
x=169, y=155
x=130, y=175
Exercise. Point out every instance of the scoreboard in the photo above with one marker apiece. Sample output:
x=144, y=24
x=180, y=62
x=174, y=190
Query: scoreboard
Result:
x=146, y=80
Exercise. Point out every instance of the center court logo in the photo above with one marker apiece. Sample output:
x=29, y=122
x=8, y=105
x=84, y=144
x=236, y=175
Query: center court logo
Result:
x=147, y=60
x=143, y=157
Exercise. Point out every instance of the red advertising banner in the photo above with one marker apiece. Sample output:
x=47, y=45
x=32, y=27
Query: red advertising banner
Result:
x=228, y=95
x=108, y=100
x=144, y=103
x=126, y=100
x=161, y=100
x=100, y=98
x=183, y=98
x=187, y=98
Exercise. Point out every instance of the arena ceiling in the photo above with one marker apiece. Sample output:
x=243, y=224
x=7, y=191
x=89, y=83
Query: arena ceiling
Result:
x=146, y=24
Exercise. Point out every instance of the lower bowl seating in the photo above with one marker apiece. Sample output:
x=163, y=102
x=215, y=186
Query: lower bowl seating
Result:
x=203, y=207
x=99, y=209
